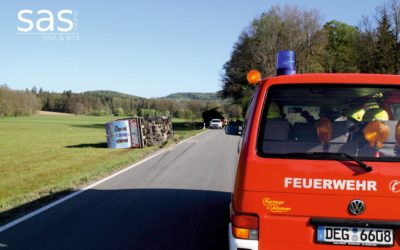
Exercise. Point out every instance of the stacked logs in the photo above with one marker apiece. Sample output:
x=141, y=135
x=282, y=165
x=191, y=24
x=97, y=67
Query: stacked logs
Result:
x=156, y=130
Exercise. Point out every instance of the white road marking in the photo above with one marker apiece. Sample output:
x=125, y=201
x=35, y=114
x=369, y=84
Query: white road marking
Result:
x=55, y=203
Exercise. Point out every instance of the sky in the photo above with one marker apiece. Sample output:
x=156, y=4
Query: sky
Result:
x=148, y=48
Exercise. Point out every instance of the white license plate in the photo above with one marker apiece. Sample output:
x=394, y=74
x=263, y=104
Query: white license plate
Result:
x=359, y=236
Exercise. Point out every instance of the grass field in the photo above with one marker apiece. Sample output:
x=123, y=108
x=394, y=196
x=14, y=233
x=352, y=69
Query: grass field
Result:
x=45, y=155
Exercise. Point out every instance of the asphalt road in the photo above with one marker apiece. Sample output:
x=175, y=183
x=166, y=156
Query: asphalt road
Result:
x=176, y=200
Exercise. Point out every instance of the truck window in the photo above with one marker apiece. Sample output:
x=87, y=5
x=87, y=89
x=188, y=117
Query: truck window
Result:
x=358, y=120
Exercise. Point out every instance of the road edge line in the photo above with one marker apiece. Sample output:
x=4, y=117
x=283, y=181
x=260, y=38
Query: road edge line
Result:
x=61, y=200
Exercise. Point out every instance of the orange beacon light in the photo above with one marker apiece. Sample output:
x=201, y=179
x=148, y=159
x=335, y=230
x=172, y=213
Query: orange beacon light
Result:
x=253, y=77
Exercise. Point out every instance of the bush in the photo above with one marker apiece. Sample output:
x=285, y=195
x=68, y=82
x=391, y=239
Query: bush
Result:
x=17, y=103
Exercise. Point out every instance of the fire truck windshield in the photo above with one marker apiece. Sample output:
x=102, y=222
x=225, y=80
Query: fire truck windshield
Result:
x=357, y=120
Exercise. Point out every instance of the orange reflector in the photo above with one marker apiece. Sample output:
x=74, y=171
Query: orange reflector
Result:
x=241, y=233
x=376, y=133
x=397, y=134
x=253, y=76
x=324, y=130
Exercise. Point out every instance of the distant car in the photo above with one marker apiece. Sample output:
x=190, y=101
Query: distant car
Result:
x=216, y=123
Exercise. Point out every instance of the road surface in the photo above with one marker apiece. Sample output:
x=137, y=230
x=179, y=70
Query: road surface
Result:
x=176, y=200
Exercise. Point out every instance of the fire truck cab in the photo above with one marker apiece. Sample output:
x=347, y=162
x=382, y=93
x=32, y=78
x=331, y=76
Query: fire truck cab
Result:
x=319, y=164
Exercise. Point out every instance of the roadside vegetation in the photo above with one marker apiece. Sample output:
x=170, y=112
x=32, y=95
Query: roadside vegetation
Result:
x=17, y=103
x=110, y=103
x=373, y=46
x=44, y=156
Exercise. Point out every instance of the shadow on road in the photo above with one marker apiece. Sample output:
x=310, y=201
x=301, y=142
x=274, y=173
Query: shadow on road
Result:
x=19, y=211
x=128, y=219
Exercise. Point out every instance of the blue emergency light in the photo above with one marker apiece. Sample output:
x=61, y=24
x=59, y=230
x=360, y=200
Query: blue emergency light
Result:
x=286, y=62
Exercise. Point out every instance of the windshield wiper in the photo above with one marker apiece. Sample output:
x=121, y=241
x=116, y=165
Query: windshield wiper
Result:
x=328, y=155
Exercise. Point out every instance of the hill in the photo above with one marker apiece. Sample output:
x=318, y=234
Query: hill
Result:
x=109, y=93
x=193, y=96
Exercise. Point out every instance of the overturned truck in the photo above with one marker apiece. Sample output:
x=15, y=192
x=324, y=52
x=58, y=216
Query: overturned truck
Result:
x=139, y=132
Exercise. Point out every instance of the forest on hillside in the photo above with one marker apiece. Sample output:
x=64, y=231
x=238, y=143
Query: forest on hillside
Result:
x=99, y=103
x=193, y=96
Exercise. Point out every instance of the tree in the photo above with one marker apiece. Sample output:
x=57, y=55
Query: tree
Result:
x=242, y=60
x=34, y=90
x=287, y=28
x=339, y=52
x=385, y=50
x=365, y=51
x=394, y=12
x=188, y=115
x=148, y=112
x=235, y=111
x=120, y=112
x=17, y=103
x=196, y=106
x=391, y=9
x=77, y=108
x=212, y=104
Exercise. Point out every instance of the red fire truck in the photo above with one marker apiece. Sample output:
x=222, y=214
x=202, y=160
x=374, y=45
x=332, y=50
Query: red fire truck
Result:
x=319, y=162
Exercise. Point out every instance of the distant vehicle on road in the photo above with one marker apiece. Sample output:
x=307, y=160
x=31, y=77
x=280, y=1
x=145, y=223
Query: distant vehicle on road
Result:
x=318, y=166
x=234, y=127
x=216, y=123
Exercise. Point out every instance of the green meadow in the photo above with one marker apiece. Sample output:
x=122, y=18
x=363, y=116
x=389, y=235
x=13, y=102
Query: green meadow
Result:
x=42, y=156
